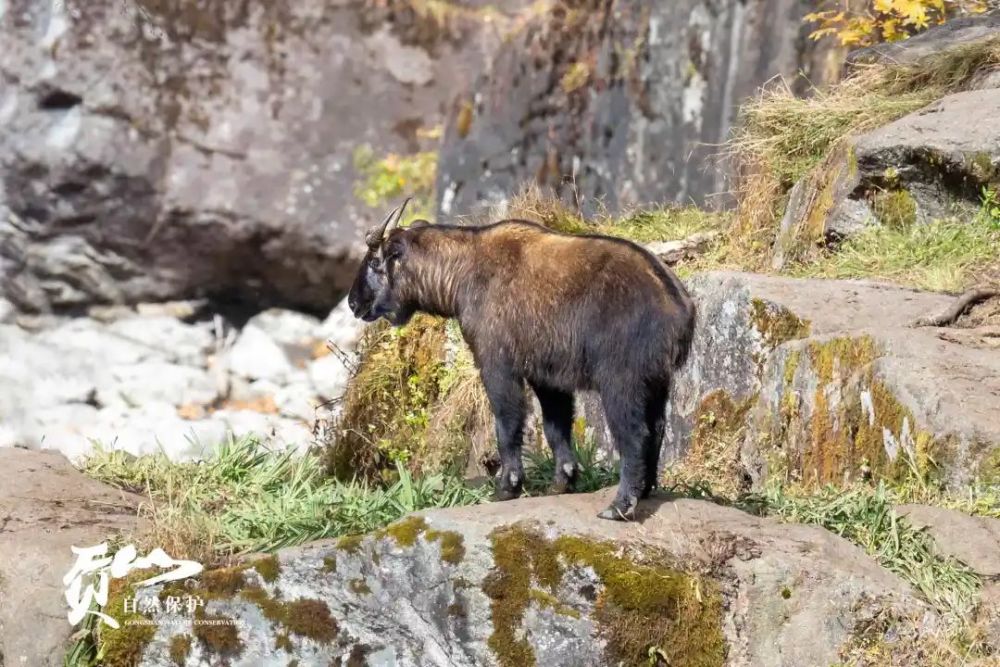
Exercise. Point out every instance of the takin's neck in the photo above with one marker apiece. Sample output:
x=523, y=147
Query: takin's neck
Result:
x=441, y=283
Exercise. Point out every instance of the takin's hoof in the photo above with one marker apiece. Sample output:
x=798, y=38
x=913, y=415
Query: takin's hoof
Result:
x=559, y=487
x=502, y=493
x=614, y=513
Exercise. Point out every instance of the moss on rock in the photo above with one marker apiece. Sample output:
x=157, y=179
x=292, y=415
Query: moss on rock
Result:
x=304, y=617
x=123, y=646
x=217, y=634
x=180, y=648
x=776, y=323
x=895, y=208
x=641, y=607
x=452, y=545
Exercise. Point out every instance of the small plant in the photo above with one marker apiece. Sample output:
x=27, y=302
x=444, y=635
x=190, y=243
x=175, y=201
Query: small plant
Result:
x=393, y=176
x=593, y=472
x=990, y=211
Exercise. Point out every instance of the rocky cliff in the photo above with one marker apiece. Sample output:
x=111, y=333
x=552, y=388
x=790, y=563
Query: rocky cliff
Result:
x=621, y=103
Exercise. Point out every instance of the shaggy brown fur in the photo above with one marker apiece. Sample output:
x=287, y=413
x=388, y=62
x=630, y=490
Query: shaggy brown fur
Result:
x=557, y=312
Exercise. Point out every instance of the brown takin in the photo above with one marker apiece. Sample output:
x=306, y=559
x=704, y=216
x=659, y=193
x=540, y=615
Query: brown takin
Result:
x=557, y=312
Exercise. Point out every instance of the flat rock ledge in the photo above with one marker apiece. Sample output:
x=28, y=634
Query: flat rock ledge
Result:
x=536, y=581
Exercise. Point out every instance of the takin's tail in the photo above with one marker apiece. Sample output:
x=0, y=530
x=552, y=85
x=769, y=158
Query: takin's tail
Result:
x=685, y=336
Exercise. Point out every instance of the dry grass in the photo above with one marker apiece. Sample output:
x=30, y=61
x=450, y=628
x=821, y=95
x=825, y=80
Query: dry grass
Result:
x=782, y=138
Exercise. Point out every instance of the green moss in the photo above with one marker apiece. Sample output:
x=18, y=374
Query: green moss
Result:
x=217, y=634
x=548, y=601
x=646, y=607
x=268, y=568
x=180, y=648
x=452, y=545
x=989, y=469
x=791, y=366
x=842, y=436
x=405, y=532
x=304, y=617
x=713, y=453
x=786, y=592
x=642, y=608
x=895, y=208
x=329, y=563
x=223, y=582
x=776, y=323
x=283, y=642
x=359, y=586
x=350, y=543
x=123, y=647
x=982, y=168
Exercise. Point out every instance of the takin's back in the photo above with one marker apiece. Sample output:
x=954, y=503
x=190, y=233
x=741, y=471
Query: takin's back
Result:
x=578, y=300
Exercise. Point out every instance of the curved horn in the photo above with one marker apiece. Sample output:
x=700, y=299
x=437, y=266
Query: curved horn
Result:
x=374, y=236
x=395, y=223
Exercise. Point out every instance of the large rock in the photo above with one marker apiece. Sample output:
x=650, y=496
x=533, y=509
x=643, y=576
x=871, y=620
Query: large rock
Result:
x=152, y=152
x=827, y=380
x=541, y=581
x=611, y=103
x=46, y=507
x=955, y=32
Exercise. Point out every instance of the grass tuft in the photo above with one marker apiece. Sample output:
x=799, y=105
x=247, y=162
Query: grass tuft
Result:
x=248, y=498
x=783, y=138
x=944, y=255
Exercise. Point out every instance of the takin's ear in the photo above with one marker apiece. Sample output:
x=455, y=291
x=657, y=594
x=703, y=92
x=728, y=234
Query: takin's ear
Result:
x=418, y=223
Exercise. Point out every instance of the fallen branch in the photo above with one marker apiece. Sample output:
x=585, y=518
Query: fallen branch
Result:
x=672, y=252
x=953, y=312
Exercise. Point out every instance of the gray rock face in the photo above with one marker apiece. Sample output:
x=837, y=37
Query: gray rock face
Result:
x=618, y=103
x=438, y=590
x=964, y=30
x=150, y=153
x=827, y=377
x=46, y=507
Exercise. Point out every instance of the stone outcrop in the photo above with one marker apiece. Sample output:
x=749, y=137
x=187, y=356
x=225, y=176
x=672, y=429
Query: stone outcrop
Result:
x=614, y=103
x=932, y=164
x=540, y=581
x=46, y=507
x=151, y=152
x=148, y=380
x=828, y=381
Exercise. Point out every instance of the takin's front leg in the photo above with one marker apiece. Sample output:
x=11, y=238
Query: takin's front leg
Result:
x=557, y=415
x=506, y=394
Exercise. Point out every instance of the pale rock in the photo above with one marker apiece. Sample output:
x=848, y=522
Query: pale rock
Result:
x=341, y=329
x=156, y=381
x=329, y=376
x=255, y=355
x=287, y=327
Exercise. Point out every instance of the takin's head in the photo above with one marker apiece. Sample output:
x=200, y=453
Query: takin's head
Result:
x=376, y=292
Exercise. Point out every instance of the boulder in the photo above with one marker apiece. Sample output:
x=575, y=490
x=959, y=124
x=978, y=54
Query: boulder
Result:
x=612, y=104
x=46, y=507
x=541, y=581
x=826, y=380
x=955, y=32
x=152, y=152
x=931, y=164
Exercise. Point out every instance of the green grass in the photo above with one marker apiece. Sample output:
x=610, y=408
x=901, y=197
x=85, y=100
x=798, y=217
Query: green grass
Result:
x=941, y=256
x=593, y=474
x=865, y=516
x=248, y=498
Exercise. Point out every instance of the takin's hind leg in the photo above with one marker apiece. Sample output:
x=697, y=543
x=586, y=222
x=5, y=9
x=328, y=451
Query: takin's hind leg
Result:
x=656, y=417
x=557, y=415
x=625, y=413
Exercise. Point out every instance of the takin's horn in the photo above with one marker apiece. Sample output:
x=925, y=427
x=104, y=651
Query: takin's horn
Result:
x=376, y=235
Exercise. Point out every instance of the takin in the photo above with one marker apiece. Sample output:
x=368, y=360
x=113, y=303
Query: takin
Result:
x=556, y=312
